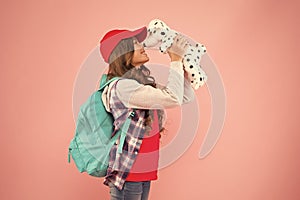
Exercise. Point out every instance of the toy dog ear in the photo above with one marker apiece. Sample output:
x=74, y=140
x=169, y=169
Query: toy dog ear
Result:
x=153, y=23
x=158, y=24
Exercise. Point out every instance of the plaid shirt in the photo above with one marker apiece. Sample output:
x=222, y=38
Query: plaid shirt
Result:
x=120, y=164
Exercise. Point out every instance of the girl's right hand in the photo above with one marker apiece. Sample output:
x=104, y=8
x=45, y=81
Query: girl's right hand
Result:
x=178, y=48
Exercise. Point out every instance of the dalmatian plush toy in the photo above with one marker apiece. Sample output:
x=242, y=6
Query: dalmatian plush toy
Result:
x=160, y=34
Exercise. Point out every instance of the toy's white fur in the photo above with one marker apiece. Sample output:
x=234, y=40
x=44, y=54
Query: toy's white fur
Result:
x=160, y=34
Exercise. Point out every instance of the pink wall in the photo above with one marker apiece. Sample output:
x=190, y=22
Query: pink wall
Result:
x=255, y=45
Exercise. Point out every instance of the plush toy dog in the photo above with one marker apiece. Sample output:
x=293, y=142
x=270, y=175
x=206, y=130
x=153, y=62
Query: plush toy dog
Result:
x=160, y=34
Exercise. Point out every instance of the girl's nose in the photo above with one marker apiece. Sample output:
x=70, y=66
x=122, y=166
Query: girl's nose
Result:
x=139, y=46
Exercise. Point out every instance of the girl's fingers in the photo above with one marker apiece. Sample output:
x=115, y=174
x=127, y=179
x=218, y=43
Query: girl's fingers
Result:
x=181, y=41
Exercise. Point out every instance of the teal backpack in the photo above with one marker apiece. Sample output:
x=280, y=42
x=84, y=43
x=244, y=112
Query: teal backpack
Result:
x=92, y=142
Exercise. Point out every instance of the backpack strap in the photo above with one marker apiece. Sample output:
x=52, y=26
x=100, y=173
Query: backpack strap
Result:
x=104, y=82
x=124, y=130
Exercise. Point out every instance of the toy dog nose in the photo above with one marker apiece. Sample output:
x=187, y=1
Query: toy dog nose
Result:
x=144, y=44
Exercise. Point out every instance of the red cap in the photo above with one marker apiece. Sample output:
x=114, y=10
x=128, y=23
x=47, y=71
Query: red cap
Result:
x=113, y=37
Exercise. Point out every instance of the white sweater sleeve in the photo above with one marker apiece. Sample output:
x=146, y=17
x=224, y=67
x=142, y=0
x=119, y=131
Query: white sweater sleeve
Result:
x=188, y=93
x=136, y=95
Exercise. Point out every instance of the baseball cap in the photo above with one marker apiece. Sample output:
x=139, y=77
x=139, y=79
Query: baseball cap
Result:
x=111, y=39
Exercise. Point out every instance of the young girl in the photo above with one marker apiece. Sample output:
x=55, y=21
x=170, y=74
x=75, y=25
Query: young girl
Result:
x=129, y=173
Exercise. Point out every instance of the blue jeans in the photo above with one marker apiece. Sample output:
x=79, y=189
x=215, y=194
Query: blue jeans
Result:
x=130, y=191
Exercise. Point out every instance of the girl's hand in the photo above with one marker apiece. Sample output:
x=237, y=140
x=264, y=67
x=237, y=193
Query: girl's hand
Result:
x=178, y=48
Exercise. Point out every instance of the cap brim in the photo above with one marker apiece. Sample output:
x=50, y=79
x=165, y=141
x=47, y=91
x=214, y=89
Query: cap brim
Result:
x=140, y=34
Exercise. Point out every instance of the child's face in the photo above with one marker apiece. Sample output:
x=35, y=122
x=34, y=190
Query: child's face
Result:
x=139, y=56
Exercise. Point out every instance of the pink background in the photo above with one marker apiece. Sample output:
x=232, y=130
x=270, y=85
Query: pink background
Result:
x=255, y=45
